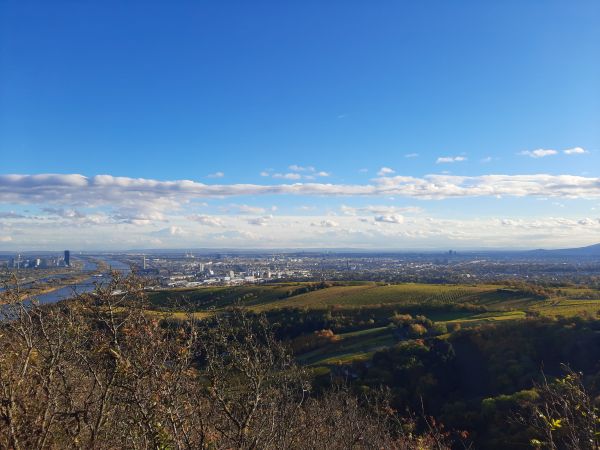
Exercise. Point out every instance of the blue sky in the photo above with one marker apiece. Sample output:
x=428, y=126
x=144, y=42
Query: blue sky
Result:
x=324, y=93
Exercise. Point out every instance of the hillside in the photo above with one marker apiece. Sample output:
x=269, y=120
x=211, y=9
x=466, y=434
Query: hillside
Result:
x=588, y=251
x=366, y=308
x=468, y=355
x=410, y=296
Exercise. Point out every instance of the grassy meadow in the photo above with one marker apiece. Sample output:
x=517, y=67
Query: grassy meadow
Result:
x=454, y=306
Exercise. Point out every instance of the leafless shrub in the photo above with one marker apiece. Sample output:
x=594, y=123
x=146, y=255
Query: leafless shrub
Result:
x=101, y=371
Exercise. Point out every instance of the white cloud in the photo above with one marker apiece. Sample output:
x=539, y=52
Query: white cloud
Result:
x=147, y=199
x=210, y=221
x=169, y=231
x=288, y=176
x=260, y=221
x=378, y=228
x=446, y=186
x=246, y=209
x=394, y=218
x=234, y=237
x=588, y=221
x=6, y=238
x=575, y=151
x=380, y=209
x=64, y=213
x=539, y=153
x=118, y=211
x=327, y=223
x=297, y=173
x=297, y=168
x=450, y=159
x=384, y=171
x=411, y=155
x=11, y=215
x=142, y=215
x=216, y=175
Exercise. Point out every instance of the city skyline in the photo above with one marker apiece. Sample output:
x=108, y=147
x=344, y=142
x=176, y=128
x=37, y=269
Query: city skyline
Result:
x=406, y=126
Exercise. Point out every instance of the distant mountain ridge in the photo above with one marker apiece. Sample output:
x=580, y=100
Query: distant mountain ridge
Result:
x=590, y=250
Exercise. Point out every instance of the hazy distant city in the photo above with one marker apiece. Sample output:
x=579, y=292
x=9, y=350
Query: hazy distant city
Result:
x=49, y=272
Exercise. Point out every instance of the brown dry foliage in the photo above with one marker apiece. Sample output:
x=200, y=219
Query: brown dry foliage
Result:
x=99, y=372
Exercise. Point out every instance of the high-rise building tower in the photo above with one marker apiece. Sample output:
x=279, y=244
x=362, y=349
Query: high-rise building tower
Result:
x=67, y=258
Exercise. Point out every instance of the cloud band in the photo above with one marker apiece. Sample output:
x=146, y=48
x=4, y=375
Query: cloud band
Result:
x=100, y=190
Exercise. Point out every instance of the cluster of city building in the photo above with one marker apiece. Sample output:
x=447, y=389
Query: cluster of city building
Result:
x=37, y=261
x=185, y=269
x=190, y=271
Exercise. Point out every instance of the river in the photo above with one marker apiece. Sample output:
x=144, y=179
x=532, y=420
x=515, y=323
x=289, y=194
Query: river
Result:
x=84, y=286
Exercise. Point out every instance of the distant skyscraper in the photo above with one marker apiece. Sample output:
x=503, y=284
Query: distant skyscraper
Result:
x=67, y=258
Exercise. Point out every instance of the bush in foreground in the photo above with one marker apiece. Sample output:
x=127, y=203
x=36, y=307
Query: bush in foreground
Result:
x=101, y=371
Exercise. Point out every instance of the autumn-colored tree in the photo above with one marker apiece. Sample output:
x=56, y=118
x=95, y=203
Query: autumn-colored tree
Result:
x=102, y=371
x=565, y=417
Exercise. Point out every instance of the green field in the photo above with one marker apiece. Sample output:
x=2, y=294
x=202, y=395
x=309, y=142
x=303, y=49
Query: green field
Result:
x=370, y=294
x=440, y=302
x=351, y=346
x=464, y=305
x=209, y=298
x=268, y=297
